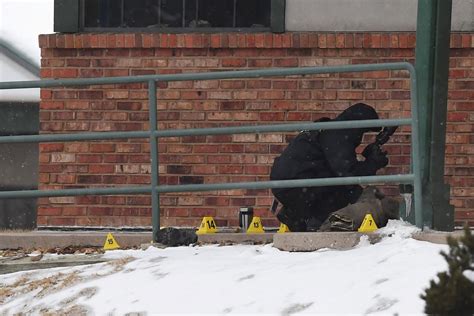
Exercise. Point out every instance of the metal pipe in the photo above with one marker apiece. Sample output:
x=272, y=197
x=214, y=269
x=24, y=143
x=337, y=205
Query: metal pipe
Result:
x=205, y=75
x=204, y=131
x=155, y=199
x=75, y=192
x=401, y=178
x=415, y=152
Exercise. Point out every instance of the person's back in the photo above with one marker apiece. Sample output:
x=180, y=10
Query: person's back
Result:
x=324, y=154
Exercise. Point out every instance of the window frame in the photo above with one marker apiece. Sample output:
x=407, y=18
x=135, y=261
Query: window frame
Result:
x=69, y=18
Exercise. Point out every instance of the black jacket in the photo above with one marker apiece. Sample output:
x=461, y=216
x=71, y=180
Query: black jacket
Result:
x=327, y=153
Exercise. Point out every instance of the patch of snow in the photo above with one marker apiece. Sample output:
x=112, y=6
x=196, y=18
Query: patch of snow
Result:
x=398, y=229
x=384, y=278
x=469, y=274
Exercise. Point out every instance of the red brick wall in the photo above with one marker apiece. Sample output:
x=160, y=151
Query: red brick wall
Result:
x=223, y=103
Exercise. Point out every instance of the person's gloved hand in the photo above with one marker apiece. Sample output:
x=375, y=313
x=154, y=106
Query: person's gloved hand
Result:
x=374, y=154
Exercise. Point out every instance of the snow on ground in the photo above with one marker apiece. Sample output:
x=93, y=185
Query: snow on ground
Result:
x=384, y=278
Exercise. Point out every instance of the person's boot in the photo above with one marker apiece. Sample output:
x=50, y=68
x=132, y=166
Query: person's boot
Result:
x=173, y=237
x=294, y=224
x=313, y=224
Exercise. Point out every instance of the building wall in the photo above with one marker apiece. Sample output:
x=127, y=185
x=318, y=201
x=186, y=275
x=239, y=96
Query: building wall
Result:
x=216, y=103
x=353, y=16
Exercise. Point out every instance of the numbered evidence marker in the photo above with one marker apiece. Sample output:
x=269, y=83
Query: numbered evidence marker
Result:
x=283, y=229
x=208, y=226
x=110, y=242
x=368, y=224
x=255, y=226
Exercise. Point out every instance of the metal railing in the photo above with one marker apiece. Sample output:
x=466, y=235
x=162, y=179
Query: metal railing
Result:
x=414, y=177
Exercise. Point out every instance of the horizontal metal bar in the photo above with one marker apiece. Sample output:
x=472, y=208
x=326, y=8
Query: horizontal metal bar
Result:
x=400, y=178
x=207, y=75
x=204, y=131
x=283, y=127
x=73, y=137
x=75, y=192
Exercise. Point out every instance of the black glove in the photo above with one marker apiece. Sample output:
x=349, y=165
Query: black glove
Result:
x=374, y=155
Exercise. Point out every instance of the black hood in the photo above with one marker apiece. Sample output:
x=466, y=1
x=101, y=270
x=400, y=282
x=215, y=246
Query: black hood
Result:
x=358, y=111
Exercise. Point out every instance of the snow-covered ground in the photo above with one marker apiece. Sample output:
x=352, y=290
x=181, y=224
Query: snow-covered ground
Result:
x=384, y=278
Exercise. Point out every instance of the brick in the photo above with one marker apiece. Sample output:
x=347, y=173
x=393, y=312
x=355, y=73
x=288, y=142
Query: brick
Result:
x=55, y=158
x=64, y=73
x=239, y=138
x=84, y=158
x=324, y=95
x=285, y=62
x=50, y=147
x=270, y=95
x=245, y=95
x=49, y=211
x=285, y=105
x=272, y=116
x=259, y=84
x=61, y=221
x=232, y=148
x=234, y=62
x=89, y=179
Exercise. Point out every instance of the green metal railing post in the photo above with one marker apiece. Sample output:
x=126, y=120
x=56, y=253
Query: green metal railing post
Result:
x=443, y=212
x=432, y=62
x=155, y=198
x=423, y=62
x=415, y=147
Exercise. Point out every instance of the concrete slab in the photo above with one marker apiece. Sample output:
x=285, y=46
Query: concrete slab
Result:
x=436, y=236
x=314, y=241
x=50, y=239
x=286, y=241
x=235, y=238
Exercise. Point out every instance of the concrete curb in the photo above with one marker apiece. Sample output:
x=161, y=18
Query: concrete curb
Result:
x=236, y=238
x=437, y=237
x=315, y=241
x=286, y=241
x=46, y=240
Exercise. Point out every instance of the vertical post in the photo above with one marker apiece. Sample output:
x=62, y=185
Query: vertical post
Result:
x=424, y=56
x=443, y=212
x=155, y=199
x=432, y=60
x=415, y=145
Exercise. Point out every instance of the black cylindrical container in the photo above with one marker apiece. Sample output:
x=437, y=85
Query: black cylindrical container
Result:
x=245, y=217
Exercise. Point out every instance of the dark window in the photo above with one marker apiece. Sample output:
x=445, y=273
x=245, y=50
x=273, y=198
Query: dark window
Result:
x=163, y=14
x=18, y=164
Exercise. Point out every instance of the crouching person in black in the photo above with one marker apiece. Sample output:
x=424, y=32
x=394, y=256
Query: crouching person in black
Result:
x=324, y=154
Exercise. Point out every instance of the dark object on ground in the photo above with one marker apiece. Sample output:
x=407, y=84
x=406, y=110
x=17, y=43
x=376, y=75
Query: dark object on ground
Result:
x=174, y=237
x=324, y=154
x=453, y=293
x=371, y=201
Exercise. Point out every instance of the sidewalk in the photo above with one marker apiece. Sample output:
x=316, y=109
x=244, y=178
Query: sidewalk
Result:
x=287, y=241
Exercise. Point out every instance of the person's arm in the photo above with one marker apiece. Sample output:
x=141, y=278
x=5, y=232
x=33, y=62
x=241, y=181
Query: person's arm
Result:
x=340, y=153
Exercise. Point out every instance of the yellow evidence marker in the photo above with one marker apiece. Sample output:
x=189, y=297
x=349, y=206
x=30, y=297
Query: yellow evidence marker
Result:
x=283, y=229
x=110, y=242
x=368, y=224
x=255, y=226
x=208, y=226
